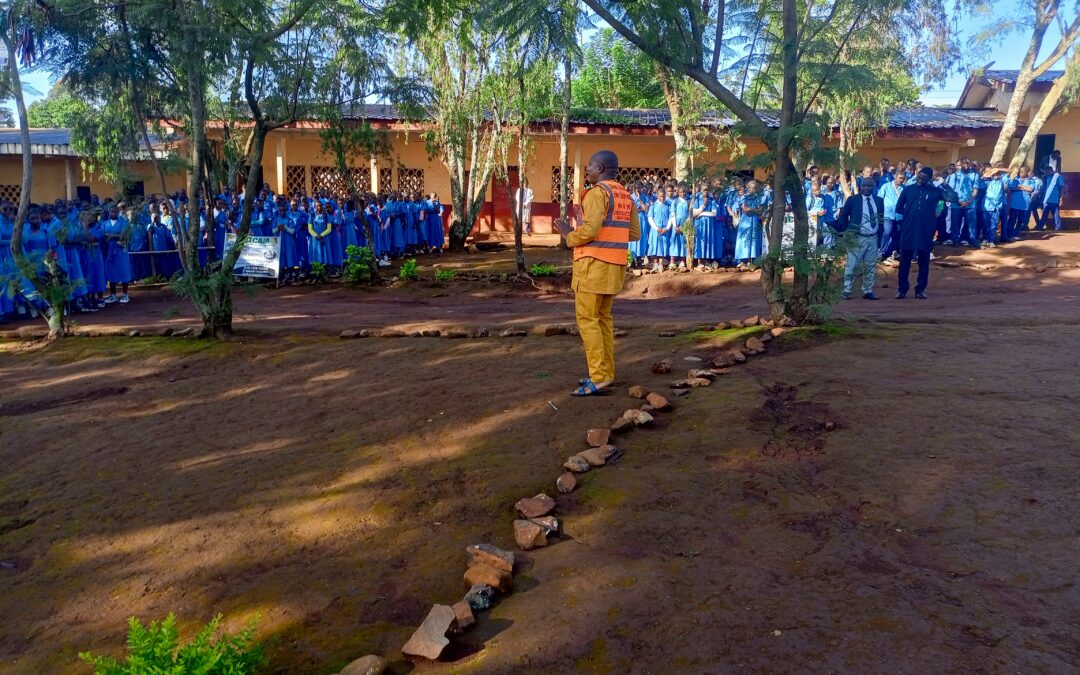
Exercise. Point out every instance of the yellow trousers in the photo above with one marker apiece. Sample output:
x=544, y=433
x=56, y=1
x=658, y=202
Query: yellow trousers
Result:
x=597, y=333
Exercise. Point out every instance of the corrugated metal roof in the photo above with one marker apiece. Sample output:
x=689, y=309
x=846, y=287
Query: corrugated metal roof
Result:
x=56, y=142
x=915, y=117
x=1009, y=76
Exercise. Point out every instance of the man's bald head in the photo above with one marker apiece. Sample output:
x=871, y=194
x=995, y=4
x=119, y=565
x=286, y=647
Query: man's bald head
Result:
x=603, y=165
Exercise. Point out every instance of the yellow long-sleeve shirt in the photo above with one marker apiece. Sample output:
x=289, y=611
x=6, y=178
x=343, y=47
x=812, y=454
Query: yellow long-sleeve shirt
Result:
x=592, y=275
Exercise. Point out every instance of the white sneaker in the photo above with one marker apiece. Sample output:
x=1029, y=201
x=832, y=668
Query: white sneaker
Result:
x=932, y=256
x=124, y=299
x=110, y=300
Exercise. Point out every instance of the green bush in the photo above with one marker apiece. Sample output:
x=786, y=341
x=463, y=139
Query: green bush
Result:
x=155, y=649
x=445, y=275
x=358, y=264
x=542, y=270
x=409, y=270
x=629, y=258
x=318, y=272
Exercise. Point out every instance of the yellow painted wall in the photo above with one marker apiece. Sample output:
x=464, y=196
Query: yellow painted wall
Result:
x=50, y=178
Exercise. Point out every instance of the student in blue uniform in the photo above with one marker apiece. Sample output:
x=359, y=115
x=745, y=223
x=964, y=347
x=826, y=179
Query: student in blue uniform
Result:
x=281, y=226
x=117, y=260
x=434, y=214
x=161, y=240
x=138, y=243
x=319, y=230
x=336, y=251
x=60, y=231
x=8, y=276
x=993, y=203
x=1021, y=190
x=396, y=217
x=1053, y=194
x=749, y=234
x=708, y=236
x=659, y=231
x=300, y=221
x=680, y=212
x=827, y=223
x=93, y=263
x=965, y=214
x=223, y=223
x=890, y=195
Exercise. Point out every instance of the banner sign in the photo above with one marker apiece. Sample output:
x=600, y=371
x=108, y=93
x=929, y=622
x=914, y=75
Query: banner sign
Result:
x=261, y=257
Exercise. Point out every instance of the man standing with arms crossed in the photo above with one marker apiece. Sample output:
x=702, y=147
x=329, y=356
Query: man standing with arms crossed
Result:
x=609, y=223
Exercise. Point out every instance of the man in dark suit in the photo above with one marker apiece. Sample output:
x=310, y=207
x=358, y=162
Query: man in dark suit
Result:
x=918, y=209
x=864, y=213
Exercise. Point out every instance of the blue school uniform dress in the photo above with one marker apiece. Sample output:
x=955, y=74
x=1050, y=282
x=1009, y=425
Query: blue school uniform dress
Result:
x=117, y=261
x=319, y=249
x=749, y=233
x=408, y=223
x=396, y=240
x=139, y=242
x=993, y=202
x=94, y=261
x=640, y=248
x=162, y=240
x=36, y=245
x=680, y=208
x=281, y=226
x=370, y=216
x=708, y=235
x=335, y=239
x=659, y=242
x=221, y=220
x=67, y=256
x=350, y=236
x=436, y=234
x=1020, y=204
x=8, y=278
x=300, y=220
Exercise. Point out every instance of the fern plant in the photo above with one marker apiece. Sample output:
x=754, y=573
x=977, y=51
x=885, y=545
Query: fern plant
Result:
x=156, y=649
x=542, y=270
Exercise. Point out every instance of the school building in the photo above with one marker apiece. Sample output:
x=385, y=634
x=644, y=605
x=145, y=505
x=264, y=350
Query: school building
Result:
x=642, y=139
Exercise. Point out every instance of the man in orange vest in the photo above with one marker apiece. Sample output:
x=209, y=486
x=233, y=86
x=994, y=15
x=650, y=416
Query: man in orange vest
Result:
x=609, y=224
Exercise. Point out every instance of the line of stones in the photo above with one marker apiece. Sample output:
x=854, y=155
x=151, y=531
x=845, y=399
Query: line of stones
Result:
x=490, y=569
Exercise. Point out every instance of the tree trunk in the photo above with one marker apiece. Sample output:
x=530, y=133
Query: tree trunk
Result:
x=1053, y=103
x=671, y=95
x=23, y=266
x=564, y=144
x=1044, y=13
x=519, y=209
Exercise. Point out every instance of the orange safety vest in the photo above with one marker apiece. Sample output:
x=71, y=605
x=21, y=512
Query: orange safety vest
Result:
x=613, y=240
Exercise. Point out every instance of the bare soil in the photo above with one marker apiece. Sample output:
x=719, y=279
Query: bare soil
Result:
x=893, y=494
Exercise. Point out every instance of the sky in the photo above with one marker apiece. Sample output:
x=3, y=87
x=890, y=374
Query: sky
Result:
x=1006, y=53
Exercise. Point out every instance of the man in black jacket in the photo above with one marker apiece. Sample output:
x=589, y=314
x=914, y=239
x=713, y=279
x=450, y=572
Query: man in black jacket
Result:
x=865, y=213
x=918, y=209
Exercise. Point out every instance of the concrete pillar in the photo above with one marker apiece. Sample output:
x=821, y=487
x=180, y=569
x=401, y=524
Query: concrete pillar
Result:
x=374, y=164
x=69, y=178
x=954, y=153
x=280, y=166
x=579, y=176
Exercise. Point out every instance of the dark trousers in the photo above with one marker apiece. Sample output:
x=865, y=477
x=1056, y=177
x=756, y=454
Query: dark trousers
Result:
x=906, y=254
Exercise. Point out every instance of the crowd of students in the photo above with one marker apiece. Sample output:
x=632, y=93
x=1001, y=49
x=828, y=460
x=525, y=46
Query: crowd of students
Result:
x=995, y=207
x=102, y=247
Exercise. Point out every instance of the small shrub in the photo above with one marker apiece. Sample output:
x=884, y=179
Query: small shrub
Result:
x=318, y=272
x=542, y=270
x=629, y=258
x=156, y=649
x=409, y=270
x=358, y=264
x=445, y=275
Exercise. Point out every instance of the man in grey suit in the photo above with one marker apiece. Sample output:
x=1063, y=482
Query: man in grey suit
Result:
x=866, y=213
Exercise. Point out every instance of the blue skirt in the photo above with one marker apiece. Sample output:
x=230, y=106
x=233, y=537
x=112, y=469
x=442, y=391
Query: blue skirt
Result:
x=396, y=238
x=708, y=239
x=335, y=246
x=748, y=238
x=289, y=259
x=117, y=264
x=677, y=245
x=659, y=243
x=436, y=235
x=640, y=248
x=93, y=268
x=72, y=265
x=319, y=250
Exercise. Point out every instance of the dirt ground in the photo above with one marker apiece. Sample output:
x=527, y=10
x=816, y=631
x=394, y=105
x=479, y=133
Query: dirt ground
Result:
x=329, y=486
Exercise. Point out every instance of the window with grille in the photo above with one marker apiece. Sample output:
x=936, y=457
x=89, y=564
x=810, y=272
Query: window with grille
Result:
x=330, y=179
x=410, y=180
x=628, y=175
x=555, y=183
x=386, y=181
x=10, y=193
x=295, y=179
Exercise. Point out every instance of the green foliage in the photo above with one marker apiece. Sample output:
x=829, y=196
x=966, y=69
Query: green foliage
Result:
x=445, y=275
x=358, y=263
x=156, y=650
x=629, y=257
x=59, y=110
x=542, y=270
x=409, y=271
x=318, y=273
x=615, y=74
x=209, y=288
